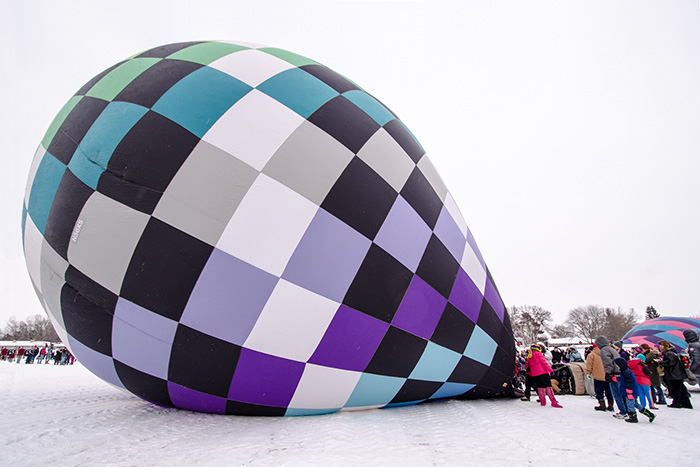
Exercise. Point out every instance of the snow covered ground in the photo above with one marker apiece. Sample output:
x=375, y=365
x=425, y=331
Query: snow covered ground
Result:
x=65, y=416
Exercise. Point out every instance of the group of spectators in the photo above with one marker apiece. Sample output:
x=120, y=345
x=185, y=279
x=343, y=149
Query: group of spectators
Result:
x=632, y=379
x=35, y=354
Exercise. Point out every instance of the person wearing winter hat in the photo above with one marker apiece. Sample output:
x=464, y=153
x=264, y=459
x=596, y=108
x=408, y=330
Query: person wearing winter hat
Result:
x=642, y=375
x=630, y=393
x=692, y=337
x=618, y=345
x=612, y=373
x=540, y=371
x=594, y=367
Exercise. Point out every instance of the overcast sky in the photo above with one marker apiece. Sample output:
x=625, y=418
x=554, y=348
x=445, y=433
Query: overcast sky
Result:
x=568, y=132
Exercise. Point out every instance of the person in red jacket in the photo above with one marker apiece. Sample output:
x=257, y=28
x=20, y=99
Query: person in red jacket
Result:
x=540, y=371
x=642, y=374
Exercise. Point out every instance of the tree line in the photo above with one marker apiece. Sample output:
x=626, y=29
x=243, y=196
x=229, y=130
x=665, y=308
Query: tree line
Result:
x=531, y=322
x=34, y=328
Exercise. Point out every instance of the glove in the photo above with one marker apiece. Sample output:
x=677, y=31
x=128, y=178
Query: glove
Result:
x=629, y=394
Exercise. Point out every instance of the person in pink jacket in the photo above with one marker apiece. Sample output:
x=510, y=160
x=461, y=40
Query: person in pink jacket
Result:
x=642, y=374
x=540, y=371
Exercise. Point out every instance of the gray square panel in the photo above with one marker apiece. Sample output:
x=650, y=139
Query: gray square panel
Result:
x=433, y=178
x=221, y=183
x=104, y=239
x=309, y=162
x=387, y=158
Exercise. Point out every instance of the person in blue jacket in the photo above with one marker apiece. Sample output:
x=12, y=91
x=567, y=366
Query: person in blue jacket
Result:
x=629, y=390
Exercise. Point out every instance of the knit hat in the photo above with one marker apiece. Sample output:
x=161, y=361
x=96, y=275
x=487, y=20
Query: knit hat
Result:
x=618, y=344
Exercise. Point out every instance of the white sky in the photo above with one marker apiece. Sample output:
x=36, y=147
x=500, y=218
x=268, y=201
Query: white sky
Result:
x=567, y=131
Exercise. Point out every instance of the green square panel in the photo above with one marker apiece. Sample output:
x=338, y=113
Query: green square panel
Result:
x=112, y=84
x=206, y=52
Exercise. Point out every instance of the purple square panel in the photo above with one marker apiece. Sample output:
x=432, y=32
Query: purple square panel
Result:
x=228, y=298
x=327, y=257
x=265, y=379
x=420, y=309
x=190, y=399
x=350, y=341
x=494, y=299
x=466, y=296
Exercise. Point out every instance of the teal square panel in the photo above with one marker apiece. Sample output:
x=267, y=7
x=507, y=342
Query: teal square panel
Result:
x=480, y=347
x=436, y=363
x=298, y=90
x=298, y=412
x=371, y=106
x=91, y=157
x=373, y=390
x=48, y=177
x=198, y=100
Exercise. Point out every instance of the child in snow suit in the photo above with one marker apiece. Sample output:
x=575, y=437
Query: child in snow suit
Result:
x=642, y=374
x=630, y=391
x=539, y=369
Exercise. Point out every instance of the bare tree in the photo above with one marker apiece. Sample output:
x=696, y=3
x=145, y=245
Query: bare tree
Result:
x=529, y=322
x=587, y=321
x=618, y=322
x=561, y=330
x=35, y=328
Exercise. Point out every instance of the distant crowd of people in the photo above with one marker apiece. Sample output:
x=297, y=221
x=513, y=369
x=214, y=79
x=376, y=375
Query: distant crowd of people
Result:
x=635, y=379
x=46, y=354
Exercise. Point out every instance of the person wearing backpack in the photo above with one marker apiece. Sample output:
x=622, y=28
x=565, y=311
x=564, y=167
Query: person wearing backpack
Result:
x=692, y=337
x=674, y=376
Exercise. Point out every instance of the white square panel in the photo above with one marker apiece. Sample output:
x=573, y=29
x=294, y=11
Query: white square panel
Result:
x=292, y=323
x=267, y=226
x=254, y=128
x=452, y=208
x=324, y=388
x=38, y=157
x=472, y=266
x=433, y=177
x=251, y=66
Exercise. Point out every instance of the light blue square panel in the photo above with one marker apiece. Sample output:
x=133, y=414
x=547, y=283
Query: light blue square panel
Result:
x=481, y=347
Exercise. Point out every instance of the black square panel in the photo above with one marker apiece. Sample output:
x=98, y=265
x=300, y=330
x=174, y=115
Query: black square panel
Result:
x=202, y=362
x=243, y=408
x=504, y=361
x=164, y=269
x=149, y=86
x=360, y=198
x=143, y=385
x=405, y=139
x=438, y=267
x=165, y=50
x=379, y=285
x=87, y=86
x=91, y=290
x=454, y=329
x=74, y=127
x=397, y=355
x=416, y=390
x=346, y=122
x=420, y=195
x=71, y=196
x=468, y=371
x=135, y=196
x=489, y=321
x=330, y=77
x=90, y=324
x=152, y=152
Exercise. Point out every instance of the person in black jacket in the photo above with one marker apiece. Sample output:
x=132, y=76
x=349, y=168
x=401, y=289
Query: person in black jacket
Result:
x=674, y=374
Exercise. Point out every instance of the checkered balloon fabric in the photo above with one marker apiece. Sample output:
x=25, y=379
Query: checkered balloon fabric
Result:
x=238, y=229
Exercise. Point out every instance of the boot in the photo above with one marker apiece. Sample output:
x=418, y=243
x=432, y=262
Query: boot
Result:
x=648, y=414
x=611, y=406
x=525, y=399
x=550, y=393
x=632, y=417
x=601, y=405
x=543, y=397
